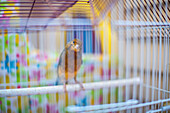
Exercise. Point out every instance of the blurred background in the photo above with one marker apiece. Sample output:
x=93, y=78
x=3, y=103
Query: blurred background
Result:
x=121, y=40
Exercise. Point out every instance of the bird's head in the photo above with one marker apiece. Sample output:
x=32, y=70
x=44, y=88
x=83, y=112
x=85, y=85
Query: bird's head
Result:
x=76, y=45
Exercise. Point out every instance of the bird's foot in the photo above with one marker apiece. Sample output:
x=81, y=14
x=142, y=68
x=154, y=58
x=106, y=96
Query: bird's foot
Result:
x=65, y=90
x=81, y=85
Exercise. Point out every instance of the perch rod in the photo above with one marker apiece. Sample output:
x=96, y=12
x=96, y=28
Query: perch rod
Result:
x=70, y=87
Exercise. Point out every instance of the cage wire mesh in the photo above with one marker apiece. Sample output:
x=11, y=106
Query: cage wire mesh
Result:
x=125, y=54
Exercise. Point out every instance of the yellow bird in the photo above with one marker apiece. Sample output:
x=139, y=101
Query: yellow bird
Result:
x=69, y=63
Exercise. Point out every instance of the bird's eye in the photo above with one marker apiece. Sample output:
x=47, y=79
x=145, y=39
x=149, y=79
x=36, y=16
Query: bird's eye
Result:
x=73, y=42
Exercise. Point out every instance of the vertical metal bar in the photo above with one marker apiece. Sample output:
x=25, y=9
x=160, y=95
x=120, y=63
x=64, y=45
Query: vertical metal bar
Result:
x=41, y=47
x=128, y=62
x=62, y=97
x=148, y=61
x=1, y=48
x=97, y=92
x=128, y=52
x=135, y=61
x=91, y=52
x=43, y=96
x=156, y=64
x=9, y=60
x=35, y=34
x=82, y=37
x=120, y=62
x=60, y=50
x=100, y=64
x=88, y=37
x=86, y=52
x=28, y=34
x=95, y=63
x=141, y=61
x=53, y=57
x=69, y=35
x=13, y=41
x=104, y=62
x=72, y=36
x=33, y=97
x=76, y=31
x=8, y=66
x=113, y=53
x=26, y=69
x=4, y=72
x=46, y=49
x=20, y=71
x=160, y=61
x=153, y=67
x=79, y=36
x=160, y=52
x=164, y=63
x=141, y=67
x=15, y=68
x=15, y=81
x=120, y=54
x=167, y=65
x=167, y=50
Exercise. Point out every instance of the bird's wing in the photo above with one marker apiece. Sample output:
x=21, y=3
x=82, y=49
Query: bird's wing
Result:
x=60, y=60
x=59, y=63
x=63, y=55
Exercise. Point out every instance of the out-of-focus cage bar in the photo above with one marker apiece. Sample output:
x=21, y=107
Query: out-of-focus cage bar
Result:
x=122, y=39
x=144, y=32
x=26, y=13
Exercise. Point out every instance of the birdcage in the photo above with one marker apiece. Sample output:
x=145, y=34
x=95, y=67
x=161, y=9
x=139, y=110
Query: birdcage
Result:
x=125, y=54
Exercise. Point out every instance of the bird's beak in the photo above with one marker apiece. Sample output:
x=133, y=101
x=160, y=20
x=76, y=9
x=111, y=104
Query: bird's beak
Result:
x=76, y=46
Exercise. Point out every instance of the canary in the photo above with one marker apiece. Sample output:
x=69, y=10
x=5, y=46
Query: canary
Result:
x=70, y=61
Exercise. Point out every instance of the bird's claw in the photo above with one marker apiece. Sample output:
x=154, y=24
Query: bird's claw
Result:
x=82, y=88
x=65, y=90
